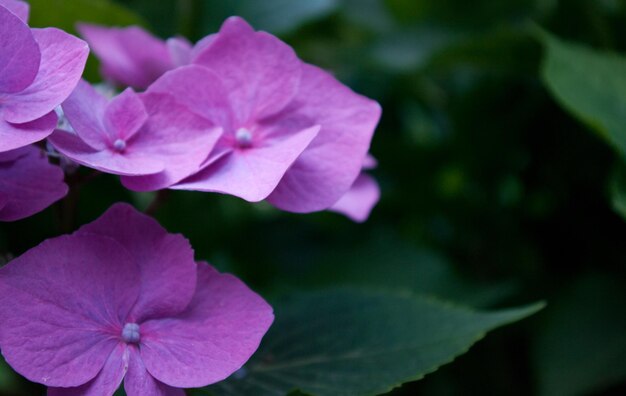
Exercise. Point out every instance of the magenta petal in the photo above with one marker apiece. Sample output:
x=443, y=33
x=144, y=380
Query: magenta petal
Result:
x=28, y=184
x=129, y=56
x=180, y=138
x=358, y=202
x=260, y=72
x=106, y=382
x=127, y=163
x=124, y=116
x=14, y=136
x=200, y=90
x=19, y=54
x=84, y=109
x=18, y=7
x=63, y=58
x=180, y=50
x=139, y=382
x=251, y=174
x=168, y=270
x=331, y=164
x=214, y=337
x=62, y=304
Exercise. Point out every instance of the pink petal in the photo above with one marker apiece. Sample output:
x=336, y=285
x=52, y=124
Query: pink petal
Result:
x=260, y=72
x=108, y=379
x=18, y=7
x=180, y=138
x=200, y=90
x=128, y=162
x=124, y=116
x=14, y=136
x=253, y=173
x=369, y=162
x=358, y=202
x=29, y=184
x=139, y=382
x=214, y=337
x=19, y=54
x=180, y=51
x=63, y=58
x=331, y=164
x=129, y=56
x=84, y=109
x=168, y=270
x=61, y=305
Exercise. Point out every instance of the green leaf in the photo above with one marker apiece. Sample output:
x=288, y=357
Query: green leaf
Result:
x=581, y=344
x=351, y=342
x=386, y=261
x=618, y=190
x=64, y=14
x=590, y=84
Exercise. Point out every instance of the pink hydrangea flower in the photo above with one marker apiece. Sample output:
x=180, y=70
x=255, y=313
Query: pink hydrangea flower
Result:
x=131, y=56
x=28, y=183
x=358, y=202
x=135, y=134
x=121, y=299
x=293, y=134
x=39, y=68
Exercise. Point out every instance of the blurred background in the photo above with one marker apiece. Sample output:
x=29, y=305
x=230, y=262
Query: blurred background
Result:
x=492, y=194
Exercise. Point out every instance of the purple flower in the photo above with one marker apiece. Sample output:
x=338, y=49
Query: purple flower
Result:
x=358, y=202
x=28, y=183
x=123, y=299
x=133, y=57
x=292, y=133
x=135, y=134
x=39, y=68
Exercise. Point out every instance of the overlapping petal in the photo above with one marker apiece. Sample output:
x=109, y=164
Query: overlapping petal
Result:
x=168, y=270
x=130, y=56
x=139, y=382
x=63, y=58
x=358, y=202
x=28, y=183
x=261, y=73
x=19, y=53
x=60, y=305
x=215, y=336
x=13, y=136
x=333, y=161
x=251, y=173
x=18, y=7
x=182, y=139
x=108, y=379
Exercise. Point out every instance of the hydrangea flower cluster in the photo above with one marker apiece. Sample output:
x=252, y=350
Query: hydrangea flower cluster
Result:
x=290, y=133
x=121, y=300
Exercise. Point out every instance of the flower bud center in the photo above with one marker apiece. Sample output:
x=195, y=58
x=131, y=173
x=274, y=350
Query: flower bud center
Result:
x=243, y=137
x=119, y=145
x=130, y=333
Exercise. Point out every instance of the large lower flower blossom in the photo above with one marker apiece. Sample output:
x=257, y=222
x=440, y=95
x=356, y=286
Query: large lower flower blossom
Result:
x=39, y=68
x=28, y=183
x=121, y=299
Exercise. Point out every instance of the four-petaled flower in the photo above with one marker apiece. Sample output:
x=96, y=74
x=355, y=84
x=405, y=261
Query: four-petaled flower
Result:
x=123, y=299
